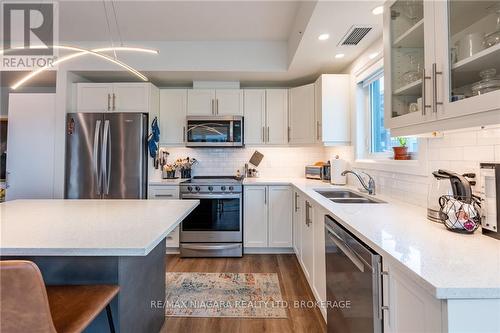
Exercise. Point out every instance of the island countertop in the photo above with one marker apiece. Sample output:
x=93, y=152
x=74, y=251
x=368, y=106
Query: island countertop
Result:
x=88, y=227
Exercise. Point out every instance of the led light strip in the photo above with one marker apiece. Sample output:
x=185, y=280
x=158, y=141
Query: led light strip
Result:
x=82, y=52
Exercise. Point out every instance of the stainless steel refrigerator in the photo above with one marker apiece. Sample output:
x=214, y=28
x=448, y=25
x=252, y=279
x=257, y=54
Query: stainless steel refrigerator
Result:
x=106, y=156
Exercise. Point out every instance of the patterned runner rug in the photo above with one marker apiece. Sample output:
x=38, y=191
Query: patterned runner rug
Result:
x=248, y=295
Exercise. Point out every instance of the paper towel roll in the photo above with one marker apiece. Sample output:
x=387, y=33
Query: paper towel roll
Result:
x=338, y=166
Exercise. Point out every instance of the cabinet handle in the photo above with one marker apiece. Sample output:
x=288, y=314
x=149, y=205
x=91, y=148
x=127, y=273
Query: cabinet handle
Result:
x=307, y=213
x=217, y=106
x=164, y=195
x=424, y=106
x=288, y=133
x=109, y=102
x=114, y=100
x=184, y=133
x=263, y=134
x=317, y=130
x=265, y=196
x=435, y=102
x=296, y=208
x=213, y=107
x=267, y=139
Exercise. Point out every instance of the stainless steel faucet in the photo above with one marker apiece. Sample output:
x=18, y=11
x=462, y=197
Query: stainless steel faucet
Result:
x=370, y=188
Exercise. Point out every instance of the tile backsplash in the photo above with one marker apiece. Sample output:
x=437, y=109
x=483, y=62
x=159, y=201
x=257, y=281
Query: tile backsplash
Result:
x=277, y=161
x=459, y=151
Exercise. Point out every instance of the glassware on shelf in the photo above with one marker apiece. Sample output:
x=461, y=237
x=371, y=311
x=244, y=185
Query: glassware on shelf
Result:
x=411, y=10
x=488, y=83
x=493, y=38
x=414, y=73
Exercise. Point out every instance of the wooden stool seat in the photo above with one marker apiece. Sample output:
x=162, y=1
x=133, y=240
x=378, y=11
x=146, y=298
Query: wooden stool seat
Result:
x=73, y=308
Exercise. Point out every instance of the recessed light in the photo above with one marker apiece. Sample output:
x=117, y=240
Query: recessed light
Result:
x=378, y=10
x=323, y=36
x=339, y=55
x=373, y=55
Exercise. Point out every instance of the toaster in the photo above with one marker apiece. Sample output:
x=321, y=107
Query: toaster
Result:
x=314, y=171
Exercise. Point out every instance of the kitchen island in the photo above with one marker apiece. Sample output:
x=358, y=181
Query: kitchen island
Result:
x=98, y=242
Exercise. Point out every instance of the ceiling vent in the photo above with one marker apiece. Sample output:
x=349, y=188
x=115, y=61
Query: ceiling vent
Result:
x=354, y=35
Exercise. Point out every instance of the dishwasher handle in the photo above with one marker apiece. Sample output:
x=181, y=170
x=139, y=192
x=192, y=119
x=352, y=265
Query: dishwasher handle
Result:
x=344, y=248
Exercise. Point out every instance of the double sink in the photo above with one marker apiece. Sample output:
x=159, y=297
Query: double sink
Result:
x=348, y=197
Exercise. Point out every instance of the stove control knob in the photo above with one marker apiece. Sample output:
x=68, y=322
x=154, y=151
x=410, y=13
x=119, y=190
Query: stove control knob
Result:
x=223, y=188
x=197, y=188
x=189, y=188
x=231, y=188
x=210, y=188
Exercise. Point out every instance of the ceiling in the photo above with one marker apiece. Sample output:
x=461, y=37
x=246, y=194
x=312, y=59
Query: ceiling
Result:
x=266, y=43
x=178, y=20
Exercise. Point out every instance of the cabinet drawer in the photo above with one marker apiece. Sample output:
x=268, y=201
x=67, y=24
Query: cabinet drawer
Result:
x=163, y=192
x=173, y=238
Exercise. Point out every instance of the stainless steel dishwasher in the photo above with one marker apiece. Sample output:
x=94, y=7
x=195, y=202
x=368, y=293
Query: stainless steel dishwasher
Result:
x=353, y=282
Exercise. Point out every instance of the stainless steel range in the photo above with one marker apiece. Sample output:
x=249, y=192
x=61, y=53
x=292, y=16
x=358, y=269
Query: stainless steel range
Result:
x=214, y=228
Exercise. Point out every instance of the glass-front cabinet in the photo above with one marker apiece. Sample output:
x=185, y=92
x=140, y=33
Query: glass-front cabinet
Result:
x=409, y=54
x=442, y=61
x=468, y=54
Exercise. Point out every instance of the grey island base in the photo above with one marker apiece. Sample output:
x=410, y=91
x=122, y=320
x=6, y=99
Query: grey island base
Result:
x=118, y=242
x=141, y=280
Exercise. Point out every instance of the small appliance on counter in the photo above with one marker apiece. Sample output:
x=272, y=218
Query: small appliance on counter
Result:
x=338, y=166
x=490, y=202
x=315, y=171
x=446, y=183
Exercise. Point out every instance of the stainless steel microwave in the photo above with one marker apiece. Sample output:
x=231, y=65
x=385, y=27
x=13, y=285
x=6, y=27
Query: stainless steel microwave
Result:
x=214, y=131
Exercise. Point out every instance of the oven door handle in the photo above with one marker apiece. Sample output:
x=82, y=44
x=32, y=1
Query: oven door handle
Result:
x=210, y=196
x=211, y=247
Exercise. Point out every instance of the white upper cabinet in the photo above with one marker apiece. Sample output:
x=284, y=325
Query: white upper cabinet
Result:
x=229, y=102
x=276, y=116
x=255, y=116
x=116, y=97
x=408, y=59
x=173, y=106
x=301, y=119
x=466, y=54
x=130, y=97
x=212, y=102
x=266, y=116
x=436, y=54
x=280, y=216
x=93, y=97
x=332, y=109
x=201, y=102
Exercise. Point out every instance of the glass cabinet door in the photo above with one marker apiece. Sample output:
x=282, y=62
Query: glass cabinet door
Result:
x=471, y=61
x=406, y=61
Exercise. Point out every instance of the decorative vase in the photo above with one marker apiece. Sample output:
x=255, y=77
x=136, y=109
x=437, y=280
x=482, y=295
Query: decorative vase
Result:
x=401, y=153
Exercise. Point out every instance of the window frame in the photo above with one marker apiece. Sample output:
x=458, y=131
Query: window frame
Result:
x=382, y=161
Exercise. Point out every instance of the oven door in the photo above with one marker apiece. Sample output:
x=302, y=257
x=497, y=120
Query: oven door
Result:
x=218, y=218
x=214, y=132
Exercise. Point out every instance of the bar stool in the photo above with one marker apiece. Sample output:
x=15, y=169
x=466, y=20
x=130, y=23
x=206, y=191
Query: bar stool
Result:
x=27, y=305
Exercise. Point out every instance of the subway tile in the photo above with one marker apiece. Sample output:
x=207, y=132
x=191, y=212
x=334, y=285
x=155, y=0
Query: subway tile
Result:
x=479, y=153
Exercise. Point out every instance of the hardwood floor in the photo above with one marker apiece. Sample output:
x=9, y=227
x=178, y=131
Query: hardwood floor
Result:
x=293, y=285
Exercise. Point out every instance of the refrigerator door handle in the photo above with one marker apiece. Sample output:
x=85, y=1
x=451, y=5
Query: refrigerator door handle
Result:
x=97, y=174
x=105, y=159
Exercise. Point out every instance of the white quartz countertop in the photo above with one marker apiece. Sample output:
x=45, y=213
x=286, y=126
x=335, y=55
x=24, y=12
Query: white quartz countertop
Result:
x=449, y=265
x=88, y=227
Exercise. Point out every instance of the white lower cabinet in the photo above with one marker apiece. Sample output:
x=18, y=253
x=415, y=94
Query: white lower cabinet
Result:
x=267, y=216
x=307, y=240
x=410, y=308
x=166, y=192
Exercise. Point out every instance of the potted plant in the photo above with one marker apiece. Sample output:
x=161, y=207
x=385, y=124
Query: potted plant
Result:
x=401, y=152
x=168, y=171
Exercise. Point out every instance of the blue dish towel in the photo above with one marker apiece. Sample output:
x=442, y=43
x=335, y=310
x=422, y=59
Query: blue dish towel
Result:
x=154, y=138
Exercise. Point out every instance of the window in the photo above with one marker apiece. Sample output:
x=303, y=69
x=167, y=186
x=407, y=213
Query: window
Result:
x=379, y=140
